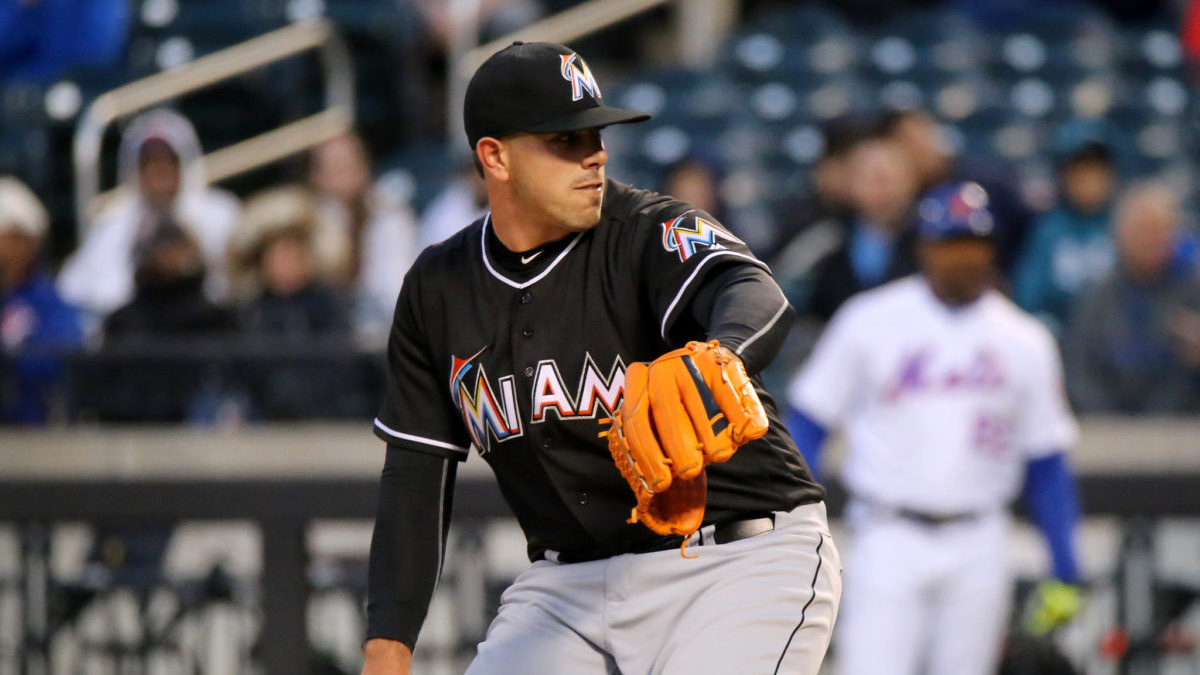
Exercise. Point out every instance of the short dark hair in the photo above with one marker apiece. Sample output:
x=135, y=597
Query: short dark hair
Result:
x=1092, y=151
x=891, y=119
x=842, y=134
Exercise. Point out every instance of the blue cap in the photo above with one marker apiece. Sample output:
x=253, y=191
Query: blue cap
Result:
x=953, y=211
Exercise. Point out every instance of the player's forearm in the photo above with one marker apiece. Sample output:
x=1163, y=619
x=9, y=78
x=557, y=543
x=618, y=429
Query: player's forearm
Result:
x=386, y=657
x=415, y=493
x=1054, y=507
x=745, y=310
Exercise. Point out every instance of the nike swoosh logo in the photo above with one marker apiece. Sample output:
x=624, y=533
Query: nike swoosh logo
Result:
x=526, y=261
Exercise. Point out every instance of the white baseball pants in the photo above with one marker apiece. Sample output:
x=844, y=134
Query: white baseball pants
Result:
x=929, y=599
x=765, y=604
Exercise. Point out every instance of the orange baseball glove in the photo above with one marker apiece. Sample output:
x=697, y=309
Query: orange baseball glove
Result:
x=681, y=412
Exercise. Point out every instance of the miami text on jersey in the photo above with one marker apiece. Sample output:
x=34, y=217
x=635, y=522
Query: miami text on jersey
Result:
x=482, y=412
x=489, y=416
x=575, y=71
x=683, y=234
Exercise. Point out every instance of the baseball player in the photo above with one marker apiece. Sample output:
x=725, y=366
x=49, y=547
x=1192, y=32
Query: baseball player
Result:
x=671, y=522
x=950, y=397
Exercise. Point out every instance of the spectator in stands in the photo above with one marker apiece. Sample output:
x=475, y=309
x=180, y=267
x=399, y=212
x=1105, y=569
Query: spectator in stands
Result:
x=274, y=270
x=1070, y=248
x=168, y=300
x=879, y=245
x=696, y=179
x=1134, y=339
x=462, y=201
x=931, y=153
x=365, y=237
x=495, y=17
x=812, y=226
x=161, y=183
x=41, y=39
x=36, y=326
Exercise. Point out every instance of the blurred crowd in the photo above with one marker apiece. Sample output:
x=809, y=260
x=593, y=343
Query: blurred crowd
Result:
x=1111, y=268
x=170, y=270
x=168, y=261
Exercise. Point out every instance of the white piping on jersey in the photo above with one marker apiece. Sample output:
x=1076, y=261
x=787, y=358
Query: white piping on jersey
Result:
x=418, y=439
x=692, y=277
x=441, y=552
x=762, y=331
x=487, y=263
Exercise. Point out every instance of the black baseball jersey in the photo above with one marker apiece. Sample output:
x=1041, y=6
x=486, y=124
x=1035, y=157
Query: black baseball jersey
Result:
x=521, y=355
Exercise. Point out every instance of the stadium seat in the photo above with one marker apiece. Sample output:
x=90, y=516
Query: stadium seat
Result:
x=802, y=24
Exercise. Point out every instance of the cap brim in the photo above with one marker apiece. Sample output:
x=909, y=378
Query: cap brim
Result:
x=600, y=116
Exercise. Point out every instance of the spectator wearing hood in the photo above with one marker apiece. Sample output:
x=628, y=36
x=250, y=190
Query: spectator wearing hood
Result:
x=1134, y=341
x=36, y=326
x=161, y=173
x=1070, y=247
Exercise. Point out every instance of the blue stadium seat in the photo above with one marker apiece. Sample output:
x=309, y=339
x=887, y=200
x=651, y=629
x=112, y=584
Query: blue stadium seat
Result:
x=801, y=24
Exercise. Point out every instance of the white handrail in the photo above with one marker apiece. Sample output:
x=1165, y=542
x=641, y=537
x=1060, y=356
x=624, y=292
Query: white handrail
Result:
x=268, y=147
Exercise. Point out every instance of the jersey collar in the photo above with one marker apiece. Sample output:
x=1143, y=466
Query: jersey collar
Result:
x=497, y=271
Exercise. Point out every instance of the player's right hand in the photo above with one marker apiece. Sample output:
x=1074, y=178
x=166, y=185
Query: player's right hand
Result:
x=386, y=657
x=1055, y=604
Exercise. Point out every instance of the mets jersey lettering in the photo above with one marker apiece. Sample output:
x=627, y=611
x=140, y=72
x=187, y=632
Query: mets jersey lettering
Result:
x=916, y=375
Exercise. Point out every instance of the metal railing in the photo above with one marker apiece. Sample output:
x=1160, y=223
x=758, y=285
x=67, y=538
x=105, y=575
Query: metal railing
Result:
x=271, y=146
x=699, y=28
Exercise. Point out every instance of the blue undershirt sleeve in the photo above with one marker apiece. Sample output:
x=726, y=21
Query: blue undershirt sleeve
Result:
x=810, y=437
x=1054, y=506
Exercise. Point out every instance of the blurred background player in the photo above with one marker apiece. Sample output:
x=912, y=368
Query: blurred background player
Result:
x=950, y=398
x=923, y=141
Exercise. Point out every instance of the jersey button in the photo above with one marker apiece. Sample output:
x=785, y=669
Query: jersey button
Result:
x=582, y=498
x=546, y=442
x=528, y=371
x=528, y=332
x=526, y=298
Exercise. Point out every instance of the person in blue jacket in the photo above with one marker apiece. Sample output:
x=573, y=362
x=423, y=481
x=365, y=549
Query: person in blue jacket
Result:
x=36, y=326
x=1070, y=248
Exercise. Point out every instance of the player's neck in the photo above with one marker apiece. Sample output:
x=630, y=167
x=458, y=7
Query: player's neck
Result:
x=519, y=234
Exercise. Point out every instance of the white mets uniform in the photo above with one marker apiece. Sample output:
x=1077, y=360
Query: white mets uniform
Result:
x=941, y=407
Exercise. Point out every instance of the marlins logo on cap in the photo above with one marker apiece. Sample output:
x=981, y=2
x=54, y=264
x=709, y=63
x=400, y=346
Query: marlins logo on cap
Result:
x=575, y=71
x=520, y=88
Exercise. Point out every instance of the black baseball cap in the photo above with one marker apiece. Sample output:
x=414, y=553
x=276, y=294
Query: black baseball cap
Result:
x=538, y=87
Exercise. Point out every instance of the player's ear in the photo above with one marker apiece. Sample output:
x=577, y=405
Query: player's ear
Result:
x=493, y=158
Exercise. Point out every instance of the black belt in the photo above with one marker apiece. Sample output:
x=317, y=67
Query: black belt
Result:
x=921, y=517
x=934, y=519
x=721, y=533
